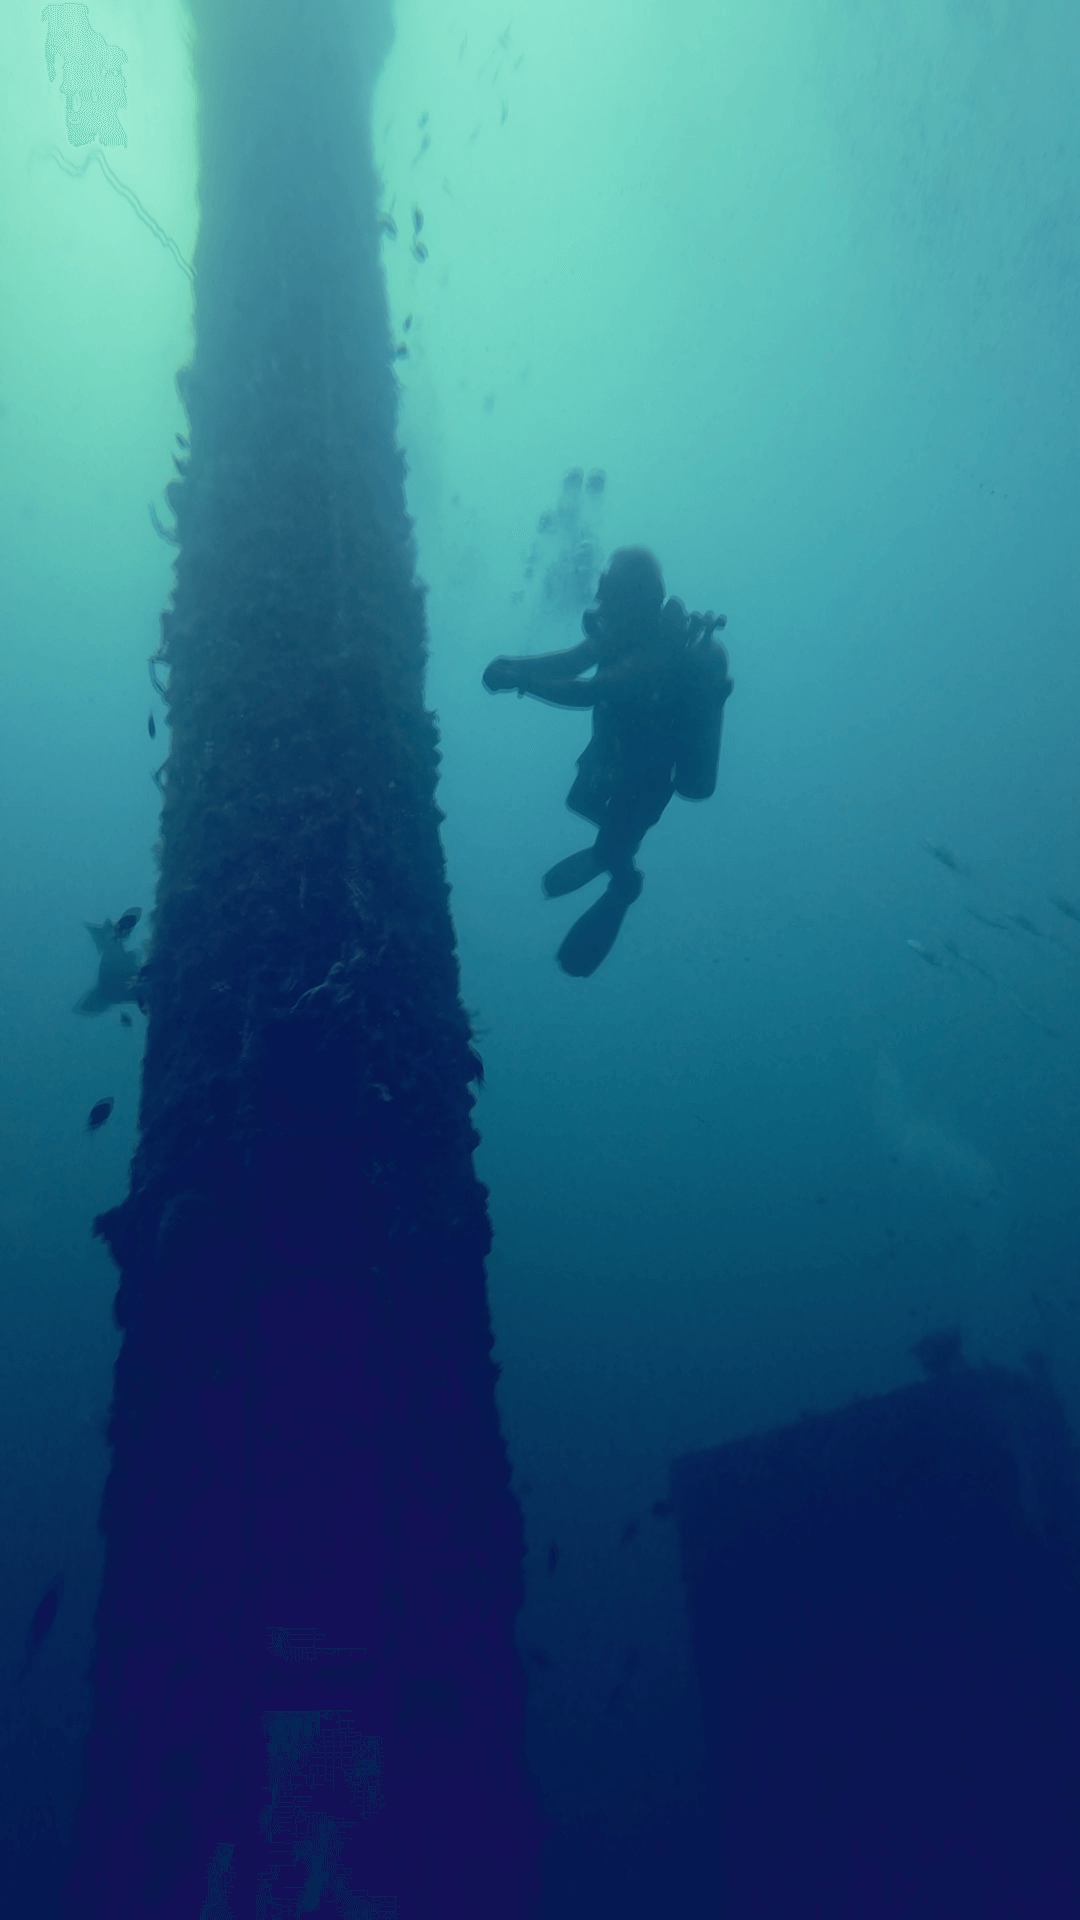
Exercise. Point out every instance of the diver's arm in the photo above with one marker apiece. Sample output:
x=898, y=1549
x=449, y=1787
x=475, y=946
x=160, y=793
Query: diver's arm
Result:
x=528, y=673
x=567, y=693
x=624, y=684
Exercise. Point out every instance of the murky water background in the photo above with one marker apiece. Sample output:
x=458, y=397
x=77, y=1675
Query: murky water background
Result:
x=803, y=281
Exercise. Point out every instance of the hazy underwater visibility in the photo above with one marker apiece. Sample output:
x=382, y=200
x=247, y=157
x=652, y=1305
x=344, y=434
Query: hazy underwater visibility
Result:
x=734, y=357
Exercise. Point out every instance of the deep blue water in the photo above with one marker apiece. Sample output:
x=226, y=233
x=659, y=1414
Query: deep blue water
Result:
x=803, y=279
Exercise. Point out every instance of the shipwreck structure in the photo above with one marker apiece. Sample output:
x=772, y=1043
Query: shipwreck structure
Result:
x=885, y=1610
x=305, y=1679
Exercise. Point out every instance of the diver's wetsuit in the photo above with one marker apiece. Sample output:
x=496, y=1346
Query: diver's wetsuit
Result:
x=648, y=708
x=658, y=698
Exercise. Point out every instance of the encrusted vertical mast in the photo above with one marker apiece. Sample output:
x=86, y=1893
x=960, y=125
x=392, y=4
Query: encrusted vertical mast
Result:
x=313, y=1557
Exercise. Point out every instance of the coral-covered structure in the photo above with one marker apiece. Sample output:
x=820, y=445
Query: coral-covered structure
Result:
x=304, y=1667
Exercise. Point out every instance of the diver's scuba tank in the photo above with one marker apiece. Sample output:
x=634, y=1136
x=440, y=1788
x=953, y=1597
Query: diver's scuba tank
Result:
x=698, y=755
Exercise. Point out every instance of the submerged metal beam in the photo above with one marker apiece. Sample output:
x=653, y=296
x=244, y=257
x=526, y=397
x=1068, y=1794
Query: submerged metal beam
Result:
x=304, y=1663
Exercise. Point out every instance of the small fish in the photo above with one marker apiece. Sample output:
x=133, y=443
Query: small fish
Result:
x=388, y=225
x=629, y=1532
x=151, y=726
x=989, y=920
x=1025, y=925
x=946, y=856
x=939, y=1354
x=629, y=1667
x=926, y=953
x=423, y=120
x=99, y=1113
x=44, y=1615
x=406, y=323
x=1033, y=1018
x=975, y=965
x=400, y=352
x=182, y=442
x=553, y=1556
x=1067, y=907
x=419, y=251
x=125, y=1019
x=118, y=971
x=417, y=222
x=127, y=923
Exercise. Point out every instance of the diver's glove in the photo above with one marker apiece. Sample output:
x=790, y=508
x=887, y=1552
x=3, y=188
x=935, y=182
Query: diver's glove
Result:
x=503, y=675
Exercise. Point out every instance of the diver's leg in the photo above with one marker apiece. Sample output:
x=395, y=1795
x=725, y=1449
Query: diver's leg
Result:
x=616, y=845
x=633, y=810
x=612, y=852
x=626, y=823
x=623, y=818
x=588, y=797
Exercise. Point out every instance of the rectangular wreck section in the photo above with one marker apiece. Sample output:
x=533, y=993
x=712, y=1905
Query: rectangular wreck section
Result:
x=885, y=1610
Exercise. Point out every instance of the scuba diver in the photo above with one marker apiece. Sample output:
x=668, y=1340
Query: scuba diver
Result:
x=657, y=697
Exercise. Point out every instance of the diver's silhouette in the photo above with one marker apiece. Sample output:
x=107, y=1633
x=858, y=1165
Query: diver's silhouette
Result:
x=658, y=698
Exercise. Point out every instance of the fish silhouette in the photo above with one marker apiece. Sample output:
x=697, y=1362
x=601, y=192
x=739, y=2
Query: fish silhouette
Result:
x=44, y=1615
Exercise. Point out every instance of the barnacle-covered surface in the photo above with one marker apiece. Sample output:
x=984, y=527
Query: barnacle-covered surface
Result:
x=306, y=1444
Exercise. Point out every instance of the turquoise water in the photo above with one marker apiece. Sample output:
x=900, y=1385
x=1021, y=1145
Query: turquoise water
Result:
x=803, y=280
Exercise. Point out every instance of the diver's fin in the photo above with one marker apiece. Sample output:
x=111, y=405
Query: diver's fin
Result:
x=566, y=876
x=591, y=938
x=100, y=935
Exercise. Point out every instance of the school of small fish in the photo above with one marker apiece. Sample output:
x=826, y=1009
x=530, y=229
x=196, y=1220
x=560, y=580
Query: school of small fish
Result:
x=947, y=955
